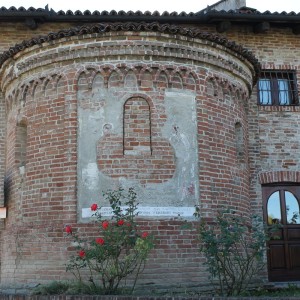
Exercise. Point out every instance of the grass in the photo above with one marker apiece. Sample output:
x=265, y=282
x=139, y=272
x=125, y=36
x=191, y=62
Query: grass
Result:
x=291, y=290
x=80, y=288
x=70, y=288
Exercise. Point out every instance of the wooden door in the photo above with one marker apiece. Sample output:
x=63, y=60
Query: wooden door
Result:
x=281, y=206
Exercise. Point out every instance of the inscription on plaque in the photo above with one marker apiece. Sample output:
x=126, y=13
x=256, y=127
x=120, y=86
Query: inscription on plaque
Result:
x=147, y=211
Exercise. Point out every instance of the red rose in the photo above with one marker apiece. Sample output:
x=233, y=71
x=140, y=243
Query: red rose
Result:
x=81, y=253
x=121, y=222
x=94, y=207
x=99, y=241
x=105, y=224
x=68, y=229
x=145, y=234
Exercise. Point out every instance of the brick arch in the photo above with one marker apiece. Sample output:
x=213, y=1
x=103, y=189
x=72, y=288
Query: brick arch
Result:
x=61, y=84
x=226, y=86
x=219, y=87
x=212, y=87
x=20, y=95
x=24, y=94
x=149, y=27
x=144, y=68
x=88, y=71
x=47, y=82
x=13, y=98
x=17, y=94
x=16, y=97
x=190, y=81
x=37, y=90
x=139, y=95
x=240, y=98
x=239, y=141
x=92, y=72
x=146, y=76
x=220, y=91
x=21, y=141
x=137, y=127
x=22, y=120
x=131, y=79
x=109, y=69
x=177, y=80
x=189, y=78
x=123, y=69
x=50, y=86
x=162, y=79
x=82, y=83
x=146, y=79
x=54, y=79
x=31, y=87
x=98, y=82
x=149, y=159
x=279, y=176
x=115, y=79
x=88, y=90
x=238, y=95
x=105, y=71
x=8, y=103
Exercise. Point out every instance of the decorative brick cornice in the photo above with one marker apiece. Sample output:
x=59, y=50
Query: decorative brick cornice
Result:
x=279, y=176
x=156, y=27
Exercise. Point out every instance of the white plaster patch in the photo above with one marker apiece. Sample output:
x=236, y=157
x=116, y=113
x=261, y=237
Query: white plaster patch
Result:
x=147, y=211
x=90, y=176
x=176, y=196
x=22, y=170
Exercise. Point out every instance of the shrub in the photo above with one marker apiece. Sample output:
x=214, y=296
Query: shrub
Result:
x=120, y=249
x=53, y=288
x=234, y=250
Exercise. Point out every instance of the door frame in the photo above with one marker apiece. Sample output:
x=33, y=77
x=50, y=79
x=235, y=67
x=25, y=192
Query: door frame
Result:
x=284, y=270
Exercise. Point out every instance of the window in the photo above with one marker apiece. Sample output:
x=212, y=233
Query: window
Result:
x=277, y=88
x=283, y=200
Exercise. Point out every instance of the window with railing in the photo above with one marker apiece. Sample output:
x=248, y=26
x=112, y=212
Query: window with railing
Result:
x=277, y=87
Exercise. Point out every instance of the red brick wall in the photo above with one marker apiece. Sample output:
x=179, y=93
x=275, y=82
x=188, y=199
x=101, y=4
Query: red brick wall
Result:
x=2, y=152
x=41, y=201
x=274, y=137
x=223, y=172
x=44, y=97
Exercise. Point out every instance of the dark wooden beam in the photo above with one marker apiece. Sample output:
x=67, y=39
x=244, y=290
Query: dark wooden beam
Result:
x=296, y=29
x=262, y=27
x=223, y=26
x=31, y=23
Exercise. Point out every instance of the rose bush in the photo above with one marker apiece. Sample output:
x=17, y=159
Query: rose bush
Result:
x=120, y=251
x=234, y=248
x=94, y=207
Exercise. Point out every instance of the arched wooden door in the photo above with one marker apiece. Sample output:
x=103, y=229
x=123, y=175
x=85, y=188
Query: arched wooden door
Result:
x=281, y=206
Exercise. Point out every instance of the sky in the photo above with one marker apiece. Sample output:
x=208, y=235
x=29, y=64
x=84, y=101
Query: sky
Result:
x=150, y=5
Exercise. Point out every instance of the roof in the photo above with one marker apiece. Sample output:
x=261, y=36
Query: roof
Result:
x=261, y=22
x=244, y=15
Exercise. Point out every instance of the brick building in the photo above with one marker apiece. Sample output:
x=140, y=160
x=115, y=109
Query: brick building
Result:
x=173, y=104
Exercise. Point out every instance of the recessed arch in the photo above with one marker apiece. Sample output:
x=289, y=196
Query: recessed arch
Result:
x=137, y=127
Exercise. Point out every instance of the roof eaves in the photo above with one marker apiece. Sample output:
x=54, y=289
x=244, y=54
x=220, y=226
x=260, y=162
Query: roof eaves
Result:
x=255, y=16
x=46, y=15
x=211, y=16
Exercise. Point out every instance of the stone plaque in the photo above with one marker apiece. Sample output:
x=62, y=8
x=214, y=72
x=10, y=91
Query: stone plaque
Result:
x=3, y=212
x=147, y=211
